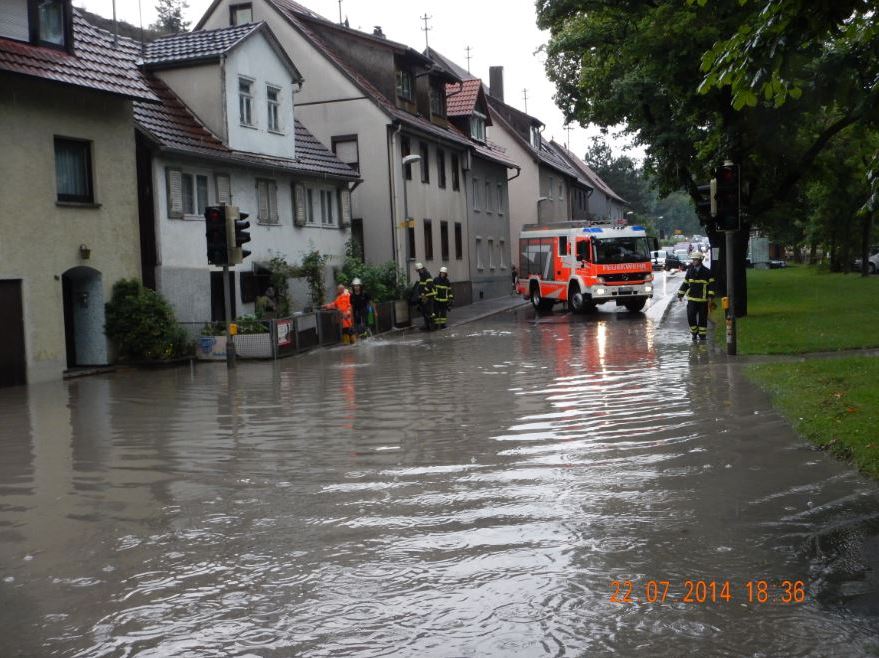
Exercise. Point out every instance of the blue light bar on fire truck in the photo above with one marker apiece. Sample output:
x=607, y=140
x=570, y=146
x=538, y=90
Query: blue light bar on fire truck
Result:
x=592, y=229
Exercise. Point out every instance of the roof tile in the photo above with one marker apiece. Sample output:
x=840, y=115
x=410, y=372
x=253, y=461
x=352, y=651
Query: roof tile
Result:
x=193, y=46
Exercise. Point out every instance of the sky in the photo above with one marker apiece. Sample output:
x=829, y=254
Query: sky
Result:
x=499, y=33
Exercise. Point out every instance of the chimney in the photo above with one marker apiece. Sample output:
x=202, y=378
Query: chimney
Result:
x=496, y=82
x=377, y=32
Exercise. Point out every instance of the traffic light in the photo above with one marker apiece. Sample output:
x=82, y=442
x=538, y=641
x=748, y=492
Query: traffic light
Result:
x=727, y=197
x=237, y=234
x=703, y=204
x=215, y=234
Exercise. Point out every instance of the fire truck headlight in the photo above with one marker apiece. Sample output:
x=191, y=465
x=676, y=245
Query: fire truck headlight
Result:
x=599, y=291
x=648, y=288
x=649, y=277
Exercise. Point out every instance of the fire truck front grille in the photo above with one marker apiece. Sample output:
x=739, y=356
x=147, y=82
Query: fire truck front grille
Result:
x=625, y=277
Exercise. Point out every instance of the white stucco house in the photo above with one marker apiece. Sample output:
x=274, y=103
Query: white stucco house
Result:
x=375, y=102
x=226, y=132
x=69, y=227
x=602, y=202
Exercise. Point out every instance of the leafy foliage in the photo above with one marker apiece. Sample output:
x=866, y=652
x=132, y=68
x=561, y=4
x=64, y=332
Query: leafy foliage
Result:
x=142, y=324
x=170, y=19
x=312, y=270
x=385, y=282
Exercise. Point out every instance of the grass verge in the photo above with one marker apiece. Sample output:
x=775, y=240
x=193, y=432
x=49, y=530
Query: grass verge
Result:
x=832, y=402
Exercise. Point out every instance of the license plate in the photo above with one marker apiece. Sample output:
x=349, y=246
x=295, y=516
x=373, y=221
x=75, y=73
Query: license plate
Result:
x=625, y=291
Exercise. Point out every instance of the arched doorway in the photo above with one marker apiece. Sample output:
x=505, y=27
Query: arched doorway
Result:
x=84, y=317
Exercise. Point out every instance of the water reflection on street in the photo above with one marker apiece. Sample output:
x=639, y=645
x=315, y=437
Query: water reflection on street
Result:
x=473, y=492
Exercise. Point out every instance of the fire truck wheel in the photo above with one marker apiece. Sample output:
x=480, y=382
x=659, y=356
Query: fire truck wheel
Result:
x=635, y=305
x=575, y=300
x=538, y=302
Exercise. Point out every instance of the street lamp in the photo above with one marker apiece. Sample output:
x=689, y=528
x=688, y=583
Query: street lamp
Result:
x=407, y=160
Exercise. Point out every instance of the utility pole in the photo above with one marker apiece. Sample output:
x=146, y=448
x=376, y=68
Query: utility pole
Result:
x=426, y=29
x=340, y=12
x=568, y=129
x=525, y=98
x=468, y=49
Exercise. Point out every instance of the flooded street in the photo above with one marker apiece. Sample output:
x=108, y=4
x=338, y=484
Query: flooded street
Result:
x=474, y=492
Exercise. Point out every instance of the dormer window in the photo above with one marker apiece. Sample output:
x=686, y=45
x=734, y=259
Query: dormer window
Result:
x=273, y=105
x=535, y=137
x=405, y=85
x=477, y=126
x=241, y=13
x=437, y=101
x=245, y=101
x=48, y=24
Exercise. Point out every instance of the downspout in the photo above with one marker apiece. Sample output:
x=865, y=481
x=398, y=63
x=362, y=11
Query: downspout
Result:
x=518, y=173
x=225, y=102
x=393, y=192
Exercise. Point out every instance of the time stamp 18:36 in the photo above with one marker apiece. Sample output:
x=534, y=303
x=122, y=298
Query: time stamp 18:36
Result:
x=699, y=591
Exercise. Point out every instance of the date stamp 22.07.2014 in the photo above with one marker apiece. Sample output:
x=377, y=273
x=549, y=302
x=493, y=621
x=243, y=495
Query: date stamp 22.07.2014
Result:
x=708, y=591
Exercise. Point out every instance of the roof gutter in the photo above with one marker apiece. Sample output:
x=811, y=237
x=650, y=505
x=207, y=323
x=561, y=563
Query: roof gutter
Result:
x=518, y=173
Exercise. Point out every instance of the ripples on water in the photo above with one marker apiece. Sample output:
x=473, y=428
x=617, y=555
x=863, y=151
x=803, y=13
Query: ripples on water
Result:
x=473, y=493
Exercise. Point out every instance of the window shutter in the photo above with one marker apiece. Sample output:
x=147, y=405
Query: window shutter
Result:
x=344, y=208
x=262, y=197
x=248, y=287
x=174, y=178
x=299, y=205
x=224, y=188
x=273, y=201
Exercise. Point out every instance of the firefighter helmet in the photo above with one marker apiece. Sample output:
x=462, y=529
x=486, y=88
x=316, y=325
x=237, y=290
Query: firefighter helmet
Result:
x=444, y=270
x=419, y=266
x=356, y=282
x=696, y=255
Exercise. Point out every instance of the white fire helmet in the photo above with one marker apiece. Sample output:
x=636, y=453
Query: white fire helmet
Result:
x=419, y=266
x=356, y=282
x=696, y=255
x=444, y=270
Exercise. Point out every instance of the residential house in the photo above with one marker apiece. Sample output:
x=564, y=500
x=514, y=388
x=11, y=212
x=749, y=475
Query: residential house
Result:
x=486, y=183
x=602, y=203
x=376, y=102
x=225, y=132
x=69, y=227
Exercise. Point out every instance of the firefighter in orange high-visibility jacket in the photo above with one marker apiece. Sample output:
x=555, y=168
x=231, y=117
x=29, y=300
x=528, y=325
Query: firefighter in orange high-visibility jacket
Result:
x=698, y=286
x=342, y=304
x=442, y=298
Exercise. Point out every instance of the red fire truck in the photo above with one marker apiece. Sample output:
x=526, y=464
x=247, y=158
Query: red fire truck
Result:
x=584, y=264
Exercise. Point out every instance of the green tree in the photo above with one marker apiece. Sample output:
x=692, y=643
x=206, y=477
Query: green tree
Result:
x=142, y=324
x=170, y=19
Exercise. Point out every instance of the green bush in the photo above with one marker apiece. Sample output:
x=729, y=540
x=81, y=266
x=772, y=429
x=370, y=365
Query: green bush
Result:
x=250, y=324
x=142, y=324
x=384, y=283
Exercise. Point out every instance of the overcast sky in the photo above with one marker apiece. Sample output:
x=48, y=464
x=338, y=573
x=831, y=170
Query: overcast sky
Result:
x=499, y=33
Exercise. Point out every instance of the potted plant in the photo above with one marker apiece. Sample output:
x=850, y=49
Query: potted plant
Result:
x=253, y=339
x=211, y=344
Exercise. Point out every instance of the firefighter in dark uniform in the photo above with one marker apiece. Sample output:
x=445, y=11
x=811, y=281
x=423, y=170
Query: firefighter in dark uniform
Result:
x=698, y=286
x=422, y=295
x=443, y=297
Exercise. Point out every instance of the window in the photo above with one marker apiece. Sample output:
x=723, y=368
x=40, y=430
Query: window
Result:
x=502, y=246
x=551, y=187
x=194, y=188
x=425, y=163
x=479, y=265
x=73, y=170
x=561, y=192
x=441, y=168
x=309, y=206
x=477, y=126
x=266, y=201
x=245, y=101
x=405, y=150
x=223, y=183
x=488, y=197
x=405, y=86
x=240, y=14
x=347, y=150
x=273, y=108
x=563, y=245
x=491, y=253
x=444, y=240
x=428, y=239
x=500, y=199
x=456, y=181
x=459, y=242
x=476, y=203
x=327, y=208
x=49, y=24
x=410, y=241
x=437, y=100
x=535, y=137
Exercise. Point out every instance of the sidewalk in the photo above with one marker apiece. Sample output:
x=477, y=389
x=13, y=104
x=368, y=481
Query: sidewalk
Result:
x=483, y=309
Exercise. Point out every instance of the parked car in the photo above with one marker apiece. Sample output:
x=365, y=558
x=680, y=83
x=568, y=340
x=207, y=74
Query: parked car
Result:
x=672, y=262
x=872, y=261
x=683, y=255
x=658, y=259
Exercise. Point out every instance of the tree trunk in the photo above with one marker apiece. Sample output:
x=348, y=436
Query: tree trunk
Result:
x=740, y=273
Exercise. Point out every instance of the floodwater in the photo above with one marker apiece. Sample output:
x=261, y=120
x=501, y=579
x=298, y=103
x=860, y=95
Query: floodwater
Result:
x=470, y=493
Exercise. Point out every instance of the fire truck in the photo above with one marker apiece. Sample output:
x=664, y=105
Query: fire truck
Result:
x=583, y=264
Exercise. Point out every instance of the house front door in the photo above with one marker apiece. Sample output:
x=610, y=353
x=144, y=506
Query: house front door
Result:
x=13, y=365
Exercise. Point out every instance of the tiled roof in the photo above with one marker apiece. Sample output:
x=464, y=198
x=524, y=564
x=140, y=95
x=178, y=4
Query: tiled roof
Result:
x=96, y=63
x=461, y=98
x=587, y=172
x=194, y=46
x=295, y=13
x=449, y=65
x=175, y=128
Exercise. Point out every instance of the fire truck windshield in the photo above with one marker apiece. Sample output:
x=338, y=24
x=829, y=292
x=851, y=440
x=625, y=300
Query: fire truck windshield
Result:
x=622, y=250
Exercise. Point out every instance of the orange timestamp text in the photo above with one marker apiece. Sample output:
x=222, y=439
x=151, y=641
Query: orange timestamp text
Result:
x=699, y=591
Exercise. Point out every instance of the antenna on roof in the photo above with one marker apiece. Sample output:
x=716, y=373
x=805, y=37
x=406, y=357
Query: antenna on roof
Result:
x=568, y=129
x=115, y=26
x=426, y=29
x=140, y=16
x=468, y=49
x=340, y=12
x=525, y=98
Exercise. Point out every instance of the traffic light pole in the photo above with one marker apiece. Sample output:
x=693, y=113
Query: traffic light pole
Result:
x=227, y=296
x=730, y=305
